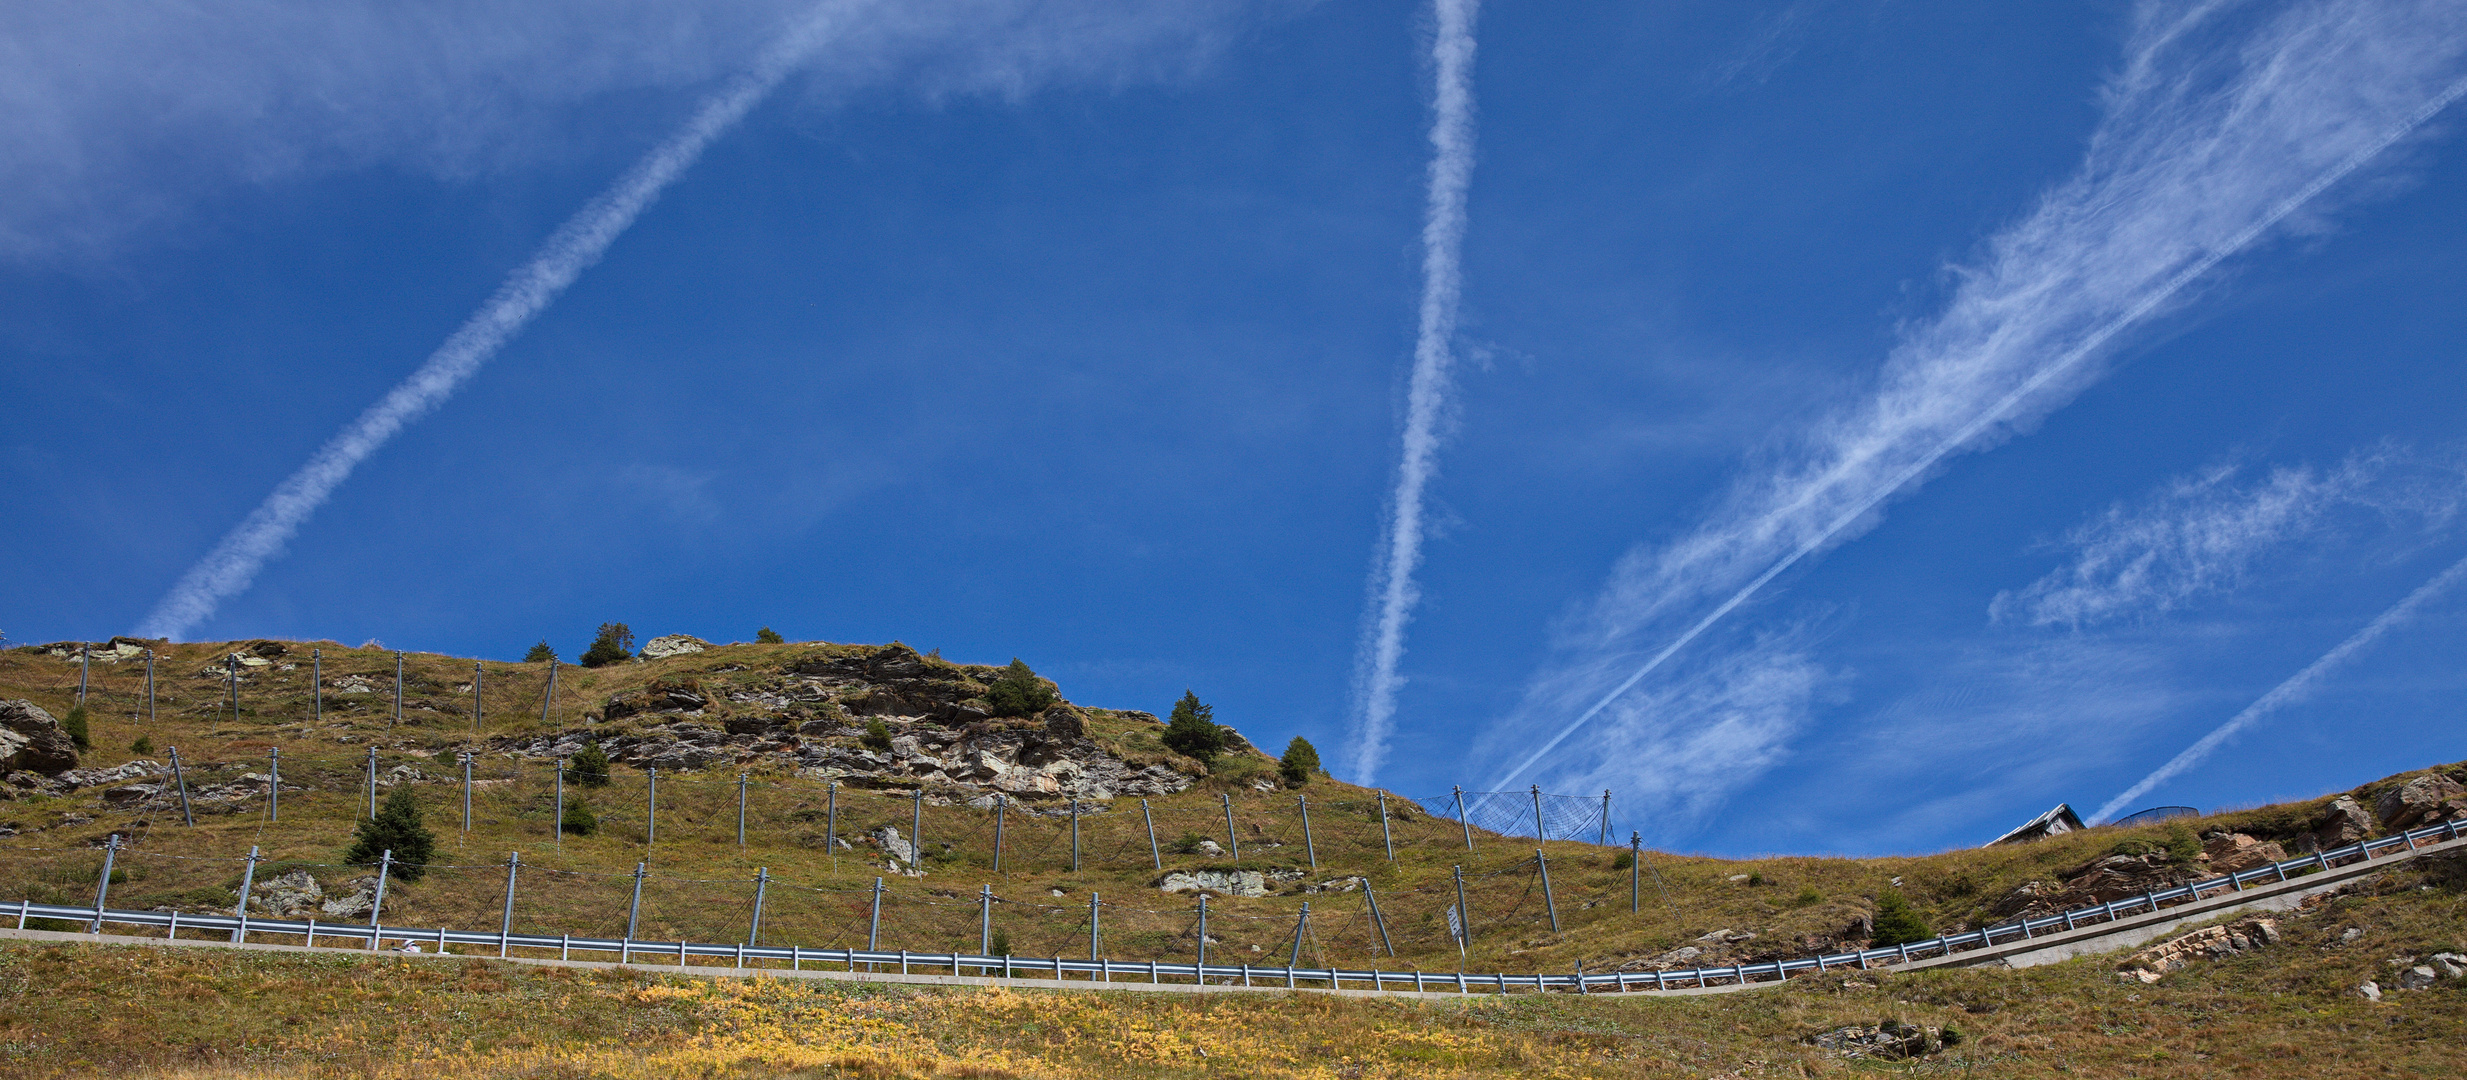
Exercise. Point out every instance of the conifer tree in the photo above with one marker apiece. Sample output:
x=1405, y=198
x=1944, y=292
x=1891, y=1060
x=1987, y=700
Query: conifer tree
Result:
x=589, y=766
x=1193, y=732
x=1300, y=761
x=396, y=828
x=1897, y=923
x=614, y=645
x=540, y=654
x=76, y=725
x=769, y=636
x=1019, y=692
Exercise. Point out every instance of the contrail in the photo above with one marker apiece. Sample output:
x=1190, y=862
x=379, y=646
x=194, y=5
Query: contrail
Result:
x=573, y=248
x=1393, y=593
x=2286, y=693
x=2026, y=300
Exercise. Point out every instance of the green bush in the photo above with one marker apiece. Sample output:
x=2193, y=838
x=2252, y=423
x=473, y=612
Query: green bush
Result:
x=768, y=636
x=143, y=745
x=396, y=828
x=1807, y=895
x=877, y=735
x=578, y=819
x=1300, y=761
x=540, y=654
x=1193, y=731
x=1019, y=692
x=1623, y=860
x=614, y=645
x=2182, y=846
x=1897, y=923
x=589, y=766
x=75, y=724
x=1001, y=944
x=1188, y=844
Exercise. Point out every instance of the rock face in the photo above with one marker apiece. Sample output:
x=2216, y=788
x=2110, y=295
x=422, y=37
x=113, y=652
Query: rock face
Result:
x=291, y=895
x=2213, y=943
x=667, y=645
x=32, y=741
x=2425, y=800
x=2343, y=823
x=355, y=904
x=2111, y=877
x=1215, y=882
x=1891, y=1041
x=2230, y=853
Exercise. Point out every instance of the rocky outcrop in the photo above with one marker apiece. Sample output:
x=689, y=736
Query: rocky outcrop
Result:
x=293, y=894
x=2153, y=963
x=2110, y=877
x=2234, y=853
x=2425, y=800
x=1215, y=882
x=31, y=740
x=2341, y=823
x=667, y=645
x=1889, y=1041
x=355, y=904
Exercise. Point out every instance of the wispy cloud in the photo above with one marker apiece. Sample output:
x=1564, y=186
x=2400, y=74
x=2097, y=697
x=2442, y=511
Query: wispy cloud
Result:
x=233, y=564
x=2295, y=689
x=1393, y=592
x=2200, y=534
x=2219, y=124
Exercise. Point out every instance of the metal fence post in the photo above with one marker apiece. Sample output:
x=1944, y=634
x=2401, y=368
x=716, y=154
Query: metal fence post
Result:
x=1199, y=971
x=985, y=922
x=398, y=686
x=1299, y=925
x=149, y=686
x=1464, y=917
x=558, y=826
x=466, y=761
x=1386, y=834
x=179, y=779
x=1095, y=936
x=1549, y=903
x=1154, y=856
x=376, y=905
x=1000, y=801
x=1461, y=822
x=372, y=783
x=1538, y=834
x=505, y=928
x=550, y=697
x=651, y=817
x=231, y=682
x=740, y=809
x=633, y=917
x=1605, y=839
x=873, y=922
x=1233, y=840
x=85, y=663
x=830, y=825
x=1309, y=846
x=102, y=888
x=316, y=686
x=1636, y=858
x=916, y=831
x=762, y=884
x=274, y=787
x=475, y=695
x=1074, y=828
x=1378, y=920
x=248, y=880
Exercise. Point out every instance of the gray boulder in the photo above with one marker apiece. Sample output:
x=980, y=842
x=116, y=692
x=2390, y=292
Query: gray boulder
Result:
x=291, y=895
x=1215, y=882
x=31, y=740
x=667, y=645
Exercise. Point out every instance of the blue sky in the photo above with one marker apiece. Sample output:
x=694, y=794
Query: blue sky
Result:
x=2097, y=361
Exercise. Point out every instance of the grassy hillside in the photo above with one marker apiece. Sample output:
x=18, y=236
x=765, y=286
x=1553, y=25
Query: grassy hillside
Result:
x=701, y=880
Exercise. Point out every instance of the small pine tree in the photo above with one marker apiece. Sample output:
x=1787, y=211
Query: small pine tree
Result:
x=540, y=654
x=589, y=766
x=1193, y=732
x=1897, y=923
x=1019, y=692
x=1300, y=761
x=877, y=735
x=143, y=745
x=76, y=725
x=396, y=828
x=614, y=645
x=579, y=820
x=768, y=636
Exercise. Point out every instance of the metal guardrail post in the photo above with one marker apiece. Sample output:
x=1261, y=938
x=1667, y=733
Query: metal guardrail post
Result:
x=1549, y=903
x=248, y=880
x=376, y=906
x=179, y=779
x=505, y=928
x=1386, y=835
x=1309, y=846
x=1154, y=856
x=102, y=888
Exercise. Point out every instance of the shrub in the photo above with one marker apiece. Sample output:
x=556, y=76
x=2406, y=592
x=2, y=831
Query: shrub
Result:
x=2182, y=845
x=589, y=766
x=143, y=745
x=1808, y=895
x=1756, y=879
x=578, y=820
x=540, y=654
x=75, y=724
x=1623, y=860
x=1897, y=923
x=1019, y=692
x=1300, y=761
x=877, y=735
x=1001, y=944
x=768, y=636
x=614, y=645
x=396, y=828
x=1193, y=732
x=1188, y=844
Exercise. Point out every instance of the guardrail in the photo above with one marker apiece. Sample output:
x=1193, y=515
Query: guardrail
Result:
x=1099, y=970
